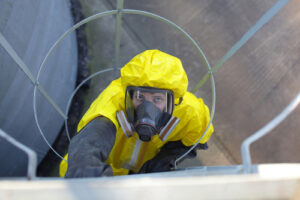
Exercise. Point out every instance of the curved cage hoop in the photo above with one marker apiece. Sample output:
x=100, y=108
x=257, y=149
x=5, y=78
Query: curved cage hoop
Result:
x=116, y=12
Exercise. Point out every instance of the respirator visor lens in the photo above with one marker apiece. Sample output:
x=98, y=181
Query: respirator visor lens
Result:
x=162, y=99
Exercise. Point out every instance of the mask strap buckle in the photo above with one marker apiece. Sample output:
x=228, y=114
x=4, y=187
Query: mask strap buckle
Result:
x=168, y=128
x=126, y=127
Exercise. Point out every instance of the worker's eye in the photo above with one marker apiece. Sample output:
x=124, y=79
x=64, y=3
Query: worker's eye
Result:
x=158, y=99
x=139, y=97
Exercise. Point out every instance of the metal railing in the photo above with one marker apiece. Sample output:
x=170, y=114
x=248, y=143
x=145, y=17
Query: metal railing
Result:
x=32, y=157
x=245, y=147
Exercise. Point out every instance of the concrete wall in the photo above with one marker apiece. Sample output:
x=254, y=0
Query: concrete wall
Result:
x=252, y=87
x=32, y=27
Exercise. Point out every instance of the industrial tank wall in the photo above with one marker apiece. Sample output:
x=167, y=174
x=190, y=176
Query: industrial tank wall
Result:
x=31, y=27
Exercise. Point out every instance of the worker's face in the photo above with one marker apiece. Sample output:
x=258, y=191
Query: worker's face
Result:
x=157, y=98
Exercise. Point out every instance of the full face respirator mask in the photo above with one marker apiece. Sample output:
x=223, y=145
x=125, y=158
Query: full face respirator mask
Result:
x=149, y=112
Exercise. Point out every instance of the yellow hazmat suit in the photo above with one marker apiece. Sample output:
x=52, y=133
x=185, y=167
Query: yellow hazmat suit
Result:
x=151, y=68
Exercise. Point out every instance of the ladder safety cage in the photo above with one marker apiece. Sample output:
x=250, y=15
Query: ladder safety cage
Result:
x=118, y=12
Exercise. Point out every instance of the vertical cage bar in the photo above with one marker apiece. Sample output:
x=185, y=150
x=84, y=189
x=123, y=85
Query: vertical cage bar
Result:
x=120, y=4
x=247, y=36
x=28, y=73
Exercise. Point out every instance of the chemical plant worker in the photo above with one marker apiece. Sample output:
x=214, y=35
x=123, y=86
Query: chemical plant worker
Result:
x=141, y=123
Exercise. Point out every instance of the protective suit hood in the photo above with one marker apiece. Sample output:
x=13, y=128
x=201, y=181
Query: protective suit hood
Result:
x=153, y=68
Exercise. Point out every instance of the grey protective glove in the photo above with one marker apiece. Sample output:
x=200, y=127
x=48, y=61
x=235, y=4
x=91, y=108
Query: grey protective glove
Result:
x=90, y=148
x=164, y=160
